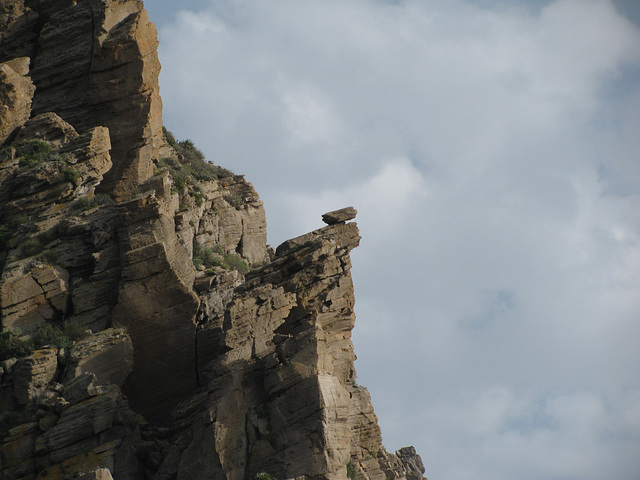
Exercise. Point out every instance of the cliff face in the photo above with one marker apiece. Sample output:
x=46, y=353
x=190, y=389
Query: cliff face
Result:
x=147, y=329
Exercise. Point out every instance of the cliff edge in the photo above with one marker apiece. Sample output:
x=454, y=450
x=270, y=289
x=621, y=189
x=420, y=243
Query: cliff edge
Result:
x=148, y=331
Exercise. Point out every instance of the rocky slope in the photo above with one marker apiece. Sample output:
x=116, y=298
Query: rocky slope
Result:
x=148, y=331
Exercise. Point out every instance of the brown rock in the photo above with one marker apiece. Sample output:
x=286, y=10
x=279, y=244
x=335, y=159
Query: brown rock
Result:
x=339, y=216
x=105, y=52
x=412, y=463
x=108, y=355
x=47, y=127
x=33, y=373
x=27, y=301
x=16, y=93
x=284, y=336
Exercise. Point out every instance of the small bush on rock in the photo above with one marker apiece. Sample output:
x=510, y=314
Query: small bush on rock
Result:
x=71, y=175
x=351, y=470
x=217, y=257
x=192, y=161
x=33, y=153
x=8, y=230
x=58, y=337
x=31, y=247
x=12, y=346
x=263, y=476
x=83, y=204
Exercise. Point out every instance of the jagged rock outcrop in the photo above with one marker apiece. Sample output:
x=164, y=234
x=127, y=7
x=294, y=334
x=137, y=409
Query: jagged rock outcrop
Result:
x=94, y=63
x=147, y=330
x=16, y=93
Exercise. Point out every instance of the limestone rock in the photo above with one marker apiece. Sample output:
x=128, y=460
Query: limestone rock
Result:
x=33, y=373
x=18, y=29
x=157, y=306
x=108, y=355
x=67, y=171
x=80, y=388
x=366, y=438
x=28, y=301
x=339, y=216
x=105, y=52
x=236, y=220
x=47, y=127
x=16, y=93
x=412, y=463
x=280, y=354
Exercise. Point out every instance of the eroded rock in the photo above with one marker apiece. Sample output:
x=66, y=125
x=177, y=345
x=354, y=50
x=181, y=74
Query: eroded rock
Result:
x=339, y=216
x=16, y=94
x=32, y=374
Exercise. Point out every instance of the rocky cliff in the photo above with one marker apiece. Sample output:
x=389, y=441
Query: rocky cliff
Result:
x=148, y=331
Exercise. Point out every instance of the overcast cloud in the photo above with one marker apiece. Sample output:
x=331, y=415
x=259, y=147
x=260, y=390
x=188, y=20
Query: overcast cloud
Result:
x=491, y=149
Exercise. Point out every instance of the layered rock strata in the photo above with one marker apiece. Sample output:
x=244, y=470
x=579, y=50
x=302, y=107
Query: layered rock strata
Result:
x=94, y=63
x=148, y=331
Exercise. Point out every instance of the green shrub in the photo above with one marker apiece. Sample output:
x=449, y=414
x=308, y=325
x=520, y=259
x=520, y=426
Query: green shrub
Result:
x=83, y=204
x=193, y=159
x=179, y=181
x=12, y=346
x=351, y=470
x=33, y=153
x=74, y=330
x=263, y=476
x=49, y=334
x=168, y=136
x=236, y=263
x=71, y=175
x=217, y=257
x=59, y=337
x=205, y=256
x=6, y=154
x=103, y=199
x=222, y=172
x=30, y=247
x=8, y=230
x=234, y=200
x=48, y=257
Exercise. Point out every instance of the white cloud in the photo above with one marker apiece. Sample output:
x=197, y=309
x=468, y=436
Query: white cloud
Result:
x=491, y=150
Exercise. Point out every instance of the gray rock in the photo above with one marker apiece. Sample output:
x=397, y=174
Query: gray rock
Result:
x=411, y=462
x=339, y=216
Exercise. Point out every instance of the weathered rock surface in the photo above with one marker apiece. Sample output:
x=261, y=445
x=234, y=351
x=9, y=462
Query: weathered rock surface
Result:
x=339, y=216
x=235, y=359
x=16, y=93
x=33, y=374
x=27, y=301
x=107, y=354
x=94, y=63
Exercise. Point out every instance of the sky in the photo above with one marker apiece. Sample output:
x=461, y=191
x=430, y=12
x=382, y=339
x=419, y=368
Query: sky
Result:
x=491, y=149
